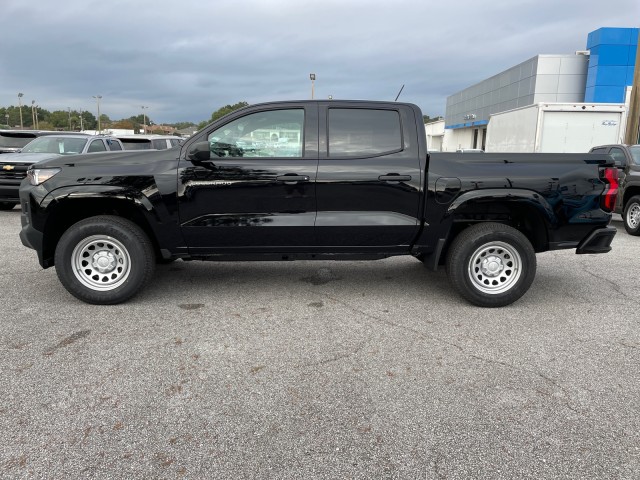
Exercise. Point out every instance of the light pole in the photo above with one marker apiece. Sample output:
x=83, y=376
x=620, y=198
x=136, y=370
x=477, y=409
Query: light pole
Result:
x=81, y=126
x=20, y=95
x=144, y=119
x=6, y=116
x=37, y=123
x=69, y=108
x=33, y=113
x=98, y=97
x=312, y=77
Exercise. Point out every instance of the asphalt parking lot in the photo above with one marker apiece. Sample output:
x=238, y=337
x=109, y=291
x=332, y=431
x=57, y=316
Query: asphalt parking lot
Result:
x=321, y=370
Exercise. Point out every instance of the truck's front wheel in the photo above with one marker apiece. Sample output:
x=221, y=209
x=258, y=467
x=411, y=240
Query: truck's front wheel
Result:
x=491, y=264
x=104, y=260
x=631, y=216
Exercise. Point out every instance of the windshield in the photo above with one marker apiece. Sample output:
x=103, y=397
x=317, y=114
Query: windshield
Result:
x=14, y=140
x=50, y=144
x=635, y=153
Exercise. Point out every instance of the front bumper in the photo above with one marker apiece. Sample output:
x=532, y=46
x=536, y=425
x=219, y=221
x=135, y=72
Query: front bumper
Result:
x=598, y=241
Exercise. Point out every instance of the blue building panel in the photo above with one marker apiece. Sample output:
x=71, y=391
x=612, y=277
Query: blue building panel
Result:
x=611, y=63
x=592, y=72
x=613, y=54
x=589, y=94
x=612, y=36
x=611, y=75
x=609, y=94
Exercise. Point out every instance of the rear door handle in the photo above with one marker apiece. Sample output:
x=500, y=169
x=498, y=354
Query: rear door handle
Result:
x=291, y=179
x=394, y=177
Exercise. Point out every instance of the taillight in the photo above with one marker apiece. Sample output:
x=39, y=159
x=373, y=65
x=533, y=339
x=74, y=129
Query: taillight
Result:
x=608, y=198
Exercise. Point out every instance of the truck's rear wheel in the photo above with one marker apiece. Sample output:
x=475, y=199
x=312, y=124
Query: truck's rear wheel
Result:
x=104, y=260
x=491, y=264
x=631, y=216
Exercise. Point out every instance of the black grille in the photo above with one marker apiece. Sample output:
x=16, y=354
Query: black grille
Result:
x=13, y=171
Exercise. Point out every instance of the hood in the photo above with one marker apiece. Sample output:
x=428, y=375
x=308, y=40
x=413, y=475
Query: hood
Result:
x=26, y=157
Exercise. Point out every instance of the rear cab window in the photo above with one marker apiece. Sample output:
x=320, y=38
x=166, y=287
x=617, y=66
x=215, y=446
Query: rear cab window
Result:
x=136, y=144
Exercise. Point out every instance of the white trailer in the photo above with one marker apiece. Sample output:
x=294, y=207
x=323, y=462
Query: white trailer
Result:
x=556, y=127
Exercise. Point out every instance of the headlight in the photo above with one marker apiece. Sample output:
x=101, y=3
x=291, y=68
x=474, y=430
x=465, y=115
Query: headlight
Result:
x=38, y=176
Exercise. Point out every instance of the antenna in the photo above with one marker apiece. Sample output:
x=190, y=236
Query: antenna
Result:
x=399, y=93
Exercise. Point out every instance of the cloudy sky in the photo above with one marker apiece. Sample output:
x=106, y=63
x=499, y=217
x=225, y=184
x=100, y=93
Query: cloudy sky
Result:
x=185, y=59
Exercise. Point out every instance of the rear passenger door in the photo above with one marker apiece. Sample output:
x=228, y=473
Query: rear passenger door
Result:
x=369, y=177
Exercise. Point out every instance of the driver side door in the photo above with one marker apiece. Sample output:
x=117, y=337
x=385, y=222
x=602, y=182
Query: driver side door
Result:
x=256, y=193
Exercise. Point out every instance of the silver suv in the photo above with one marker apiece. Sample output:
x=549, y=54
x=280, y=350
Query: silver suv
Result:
x=14, y=166
x=12, y=141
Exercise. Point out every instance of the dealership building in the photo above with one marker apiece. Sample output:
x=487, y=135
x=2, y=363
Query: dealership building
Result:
x=560, y=103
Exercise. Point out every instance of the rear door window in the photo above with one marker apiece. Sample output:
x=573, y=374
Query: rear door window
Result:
x=97, y=146
x=360, y=132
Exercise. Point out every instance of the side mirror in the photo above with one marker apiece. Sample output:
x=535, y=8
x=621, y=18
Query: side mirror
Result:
x=199, y=152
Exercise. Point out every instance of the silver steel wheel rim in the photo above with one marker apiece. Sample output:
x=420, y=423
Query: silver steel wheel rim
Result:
x=633, y=216
x=101, y=263
x=495, y=267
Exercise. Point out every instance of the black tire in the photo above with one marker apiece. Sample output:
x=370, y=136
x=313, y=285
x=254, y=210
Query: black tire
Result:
x=121, y=254
x=631, y=216
x=7, y=205
x=491, y=264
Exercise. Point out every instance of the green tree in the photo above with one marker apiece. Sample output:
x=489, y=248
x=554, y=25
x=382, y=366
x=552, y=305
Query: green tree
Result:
x=181, y=125
x=428, y=119
x=89, y=121
x=127, y=124
x=221, y=112
x=59, y=120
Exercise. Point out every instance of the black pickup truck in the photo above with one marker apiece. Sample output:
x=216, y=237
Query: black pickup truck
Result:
x=324, y=180
x=627, y=159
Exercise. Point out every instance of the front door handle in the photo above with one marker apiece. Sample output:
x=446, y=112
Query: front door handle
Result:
x=394, y=177
x=292, y=179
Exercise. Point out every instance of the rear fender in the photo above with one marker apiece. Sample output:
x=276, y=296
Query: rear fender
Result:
x=511, y=196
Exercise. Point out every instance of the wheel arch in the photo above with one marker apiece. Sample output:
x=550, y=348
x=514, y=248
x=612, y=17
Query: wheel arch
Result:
x=66, y=211
x=629, y=191
x=523, y=210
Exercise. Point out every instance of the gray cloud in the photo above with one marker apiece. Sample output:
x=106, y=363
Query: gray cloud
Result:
x=186, y=59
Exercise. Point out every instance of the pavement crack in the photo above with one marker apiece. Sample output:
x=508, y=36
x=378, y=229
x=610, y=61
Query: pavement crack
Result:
x=337, y=357
x=394, y=325
x=544, y=377
x=615, y=286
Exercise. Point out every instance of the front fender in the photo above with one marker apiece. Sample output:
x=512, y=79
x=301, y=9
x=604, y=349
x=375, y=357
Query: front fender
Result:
x=115, y=192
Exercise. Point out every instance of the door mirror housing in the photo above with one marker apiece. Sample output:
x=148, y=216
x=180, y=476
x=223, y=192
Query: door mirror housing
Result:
x=199, y=152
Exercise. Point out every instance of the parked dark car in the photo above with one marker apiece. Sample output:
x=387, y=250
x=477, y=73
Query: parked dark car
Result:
x=627, y=159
